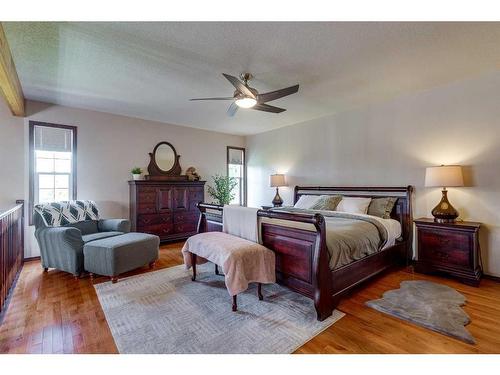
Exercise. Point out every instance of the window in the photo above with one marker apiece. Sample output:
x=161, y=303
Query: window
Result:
x=236, y=167
x=52, y=176
x=52, y=162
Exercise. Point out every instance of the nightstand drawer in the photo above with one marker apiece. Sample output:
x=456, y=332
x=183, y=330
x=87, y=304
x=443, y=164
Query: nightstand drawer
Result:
x=444, y=247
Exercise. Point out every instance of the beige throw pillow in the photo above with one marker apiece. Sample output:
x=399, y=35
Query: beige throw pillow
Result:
x=327, y=202
x=354, y=205
x=382, y=207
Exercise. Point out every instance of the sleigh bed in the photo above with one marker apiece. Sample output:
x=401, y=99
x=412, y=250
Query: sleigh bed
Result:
x=302, y=256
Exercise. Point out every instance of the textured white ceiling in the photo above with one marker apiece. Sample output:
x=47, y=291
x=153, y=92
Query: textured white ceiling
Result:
x=150, y=70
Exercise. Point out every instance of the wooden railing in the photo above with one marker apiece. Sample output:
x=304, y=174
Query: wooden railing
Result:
x=11, y=249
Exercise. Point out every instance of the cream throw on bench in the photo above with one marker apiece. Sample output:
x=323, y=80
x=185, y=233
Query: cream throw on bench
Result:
x=242, y=261
x=241, y=222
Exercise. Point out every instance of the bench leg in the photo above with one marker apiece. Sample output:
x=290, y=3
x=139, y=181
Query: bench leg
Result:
x=193, y=263
x=216, y=270
x=235, y=305
x=259, y=292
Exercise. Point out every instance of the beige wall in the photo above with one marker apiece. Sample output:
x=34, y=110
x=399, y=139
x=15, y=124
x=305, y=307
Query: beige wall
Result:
x=391, y=144
x=11, y=157
x=108, y=147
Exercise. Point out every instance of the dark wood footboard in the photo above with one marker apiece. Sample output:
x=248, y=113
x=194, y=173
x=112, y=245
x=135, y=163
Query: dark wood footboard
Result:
x=301, y=258
x=210, y=217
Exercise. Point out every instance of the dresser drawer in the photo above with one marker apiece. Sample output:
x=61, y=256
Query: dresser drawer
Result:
x=190, y=227
x=152, y=219
x=444, y=247
x=186, y=217
x=146, y=208
x=160, y=230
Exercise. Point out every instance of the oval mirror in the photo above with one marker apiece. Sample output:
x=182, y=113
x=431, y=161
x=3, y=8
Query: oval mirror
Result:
x=165, y=157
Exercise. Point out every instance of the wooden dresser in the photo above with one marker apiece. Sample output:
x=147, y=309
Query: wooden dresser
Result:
x=452, y=248
x=165, y=208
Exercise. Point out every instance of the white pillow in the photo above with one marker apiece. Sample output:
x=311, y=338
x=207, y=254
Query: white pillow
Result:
x=354, y=205
x=306, y=201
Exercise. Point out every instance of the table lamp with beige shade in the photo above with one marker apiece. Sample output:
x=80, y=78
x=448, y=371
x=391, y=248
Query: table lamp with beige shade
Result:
x=277, y=180
x=444, y=176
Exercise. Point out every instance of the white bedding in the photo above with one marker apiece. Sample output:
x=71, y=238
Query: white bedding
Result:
x=393, y=229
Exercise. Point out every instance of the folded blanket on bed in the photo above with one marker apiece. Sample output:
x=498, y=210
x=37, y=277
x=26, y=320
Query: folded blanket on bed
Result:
x=241, y=222
x=242, y=261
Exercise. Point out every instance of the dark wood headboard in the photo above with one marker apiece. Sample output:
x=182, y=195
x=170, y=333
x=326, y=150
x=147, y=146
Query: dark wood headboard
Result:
x=402, y=211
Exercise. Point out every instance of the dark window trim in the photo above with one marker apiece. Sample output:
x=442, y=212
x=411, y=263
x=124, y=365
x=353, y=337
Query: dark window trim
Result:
x=32, y=125
x=244, y=169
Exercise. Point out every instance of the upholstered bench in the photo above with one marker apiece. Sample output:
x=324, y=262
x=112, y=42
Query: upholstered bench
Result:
x=242, y=261
x=113, y=256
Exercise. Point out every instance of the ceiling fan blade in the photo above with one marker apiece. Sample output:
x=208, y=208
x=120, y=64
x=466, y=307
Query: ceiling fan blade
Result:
x=268, y=108
x=273, y=95
x=232, y=109
x=227, y=98
x=239, y=85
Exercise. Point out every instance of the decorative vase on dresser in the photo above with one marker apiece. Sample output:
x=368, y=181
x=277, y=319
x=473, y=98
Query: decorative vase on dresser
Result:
x=164, y=203
x=451, y=248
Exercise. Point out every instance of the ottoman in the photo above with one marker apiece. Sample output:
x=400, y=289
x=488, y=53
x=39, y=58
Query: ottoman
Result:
x=113, y=256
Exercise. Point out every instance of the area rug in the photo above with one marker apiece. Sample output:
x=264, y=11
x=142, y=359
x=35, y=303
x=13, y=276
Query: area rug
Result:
x=165, y=312
x=433, y=306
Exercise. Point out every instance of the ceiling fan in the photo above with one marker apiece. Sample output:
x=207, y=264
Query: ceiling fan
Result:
x=247, y=97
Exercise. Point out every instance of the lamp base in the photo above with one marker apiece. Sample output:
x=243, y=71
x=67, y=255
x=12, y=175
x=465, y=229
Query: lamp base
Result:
x=444, y=212
x=277, y=201
x=439, y=220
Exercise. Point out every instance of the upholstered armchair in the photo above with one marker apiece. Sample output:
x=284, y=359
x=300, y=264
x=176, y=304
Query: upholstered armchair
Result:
x=63, y=228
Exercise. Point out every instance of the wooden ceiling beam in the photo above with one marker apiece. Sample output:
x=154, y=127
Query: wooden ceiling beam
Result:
x=10, y=87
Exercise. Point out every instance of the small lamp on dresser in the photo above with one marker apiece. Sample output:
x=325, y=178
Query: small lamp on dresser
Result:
x=444, y=176
x=277, y=180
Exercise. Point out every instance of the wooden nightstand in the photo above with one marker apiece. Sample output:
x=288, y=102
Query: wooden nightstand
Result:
x=452, y=248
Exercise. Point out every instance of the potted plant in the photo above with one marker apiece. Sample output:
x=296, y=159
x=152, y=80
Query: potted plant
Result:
x=223, y=188
x=136, y=173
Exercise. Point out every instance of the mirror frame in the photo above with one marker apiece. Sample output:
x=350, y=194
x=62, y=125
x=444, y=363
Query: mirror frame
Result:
x=156, y=172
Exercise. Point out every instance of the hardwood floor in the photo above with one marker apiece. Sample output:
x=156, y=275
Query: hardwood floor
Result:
x=53, y=313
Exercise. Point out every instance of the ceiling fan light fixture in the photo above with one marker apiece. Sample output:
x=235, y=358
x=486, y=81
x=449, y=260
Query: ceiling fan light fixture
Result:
x=247, y=97
x=245, y=102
